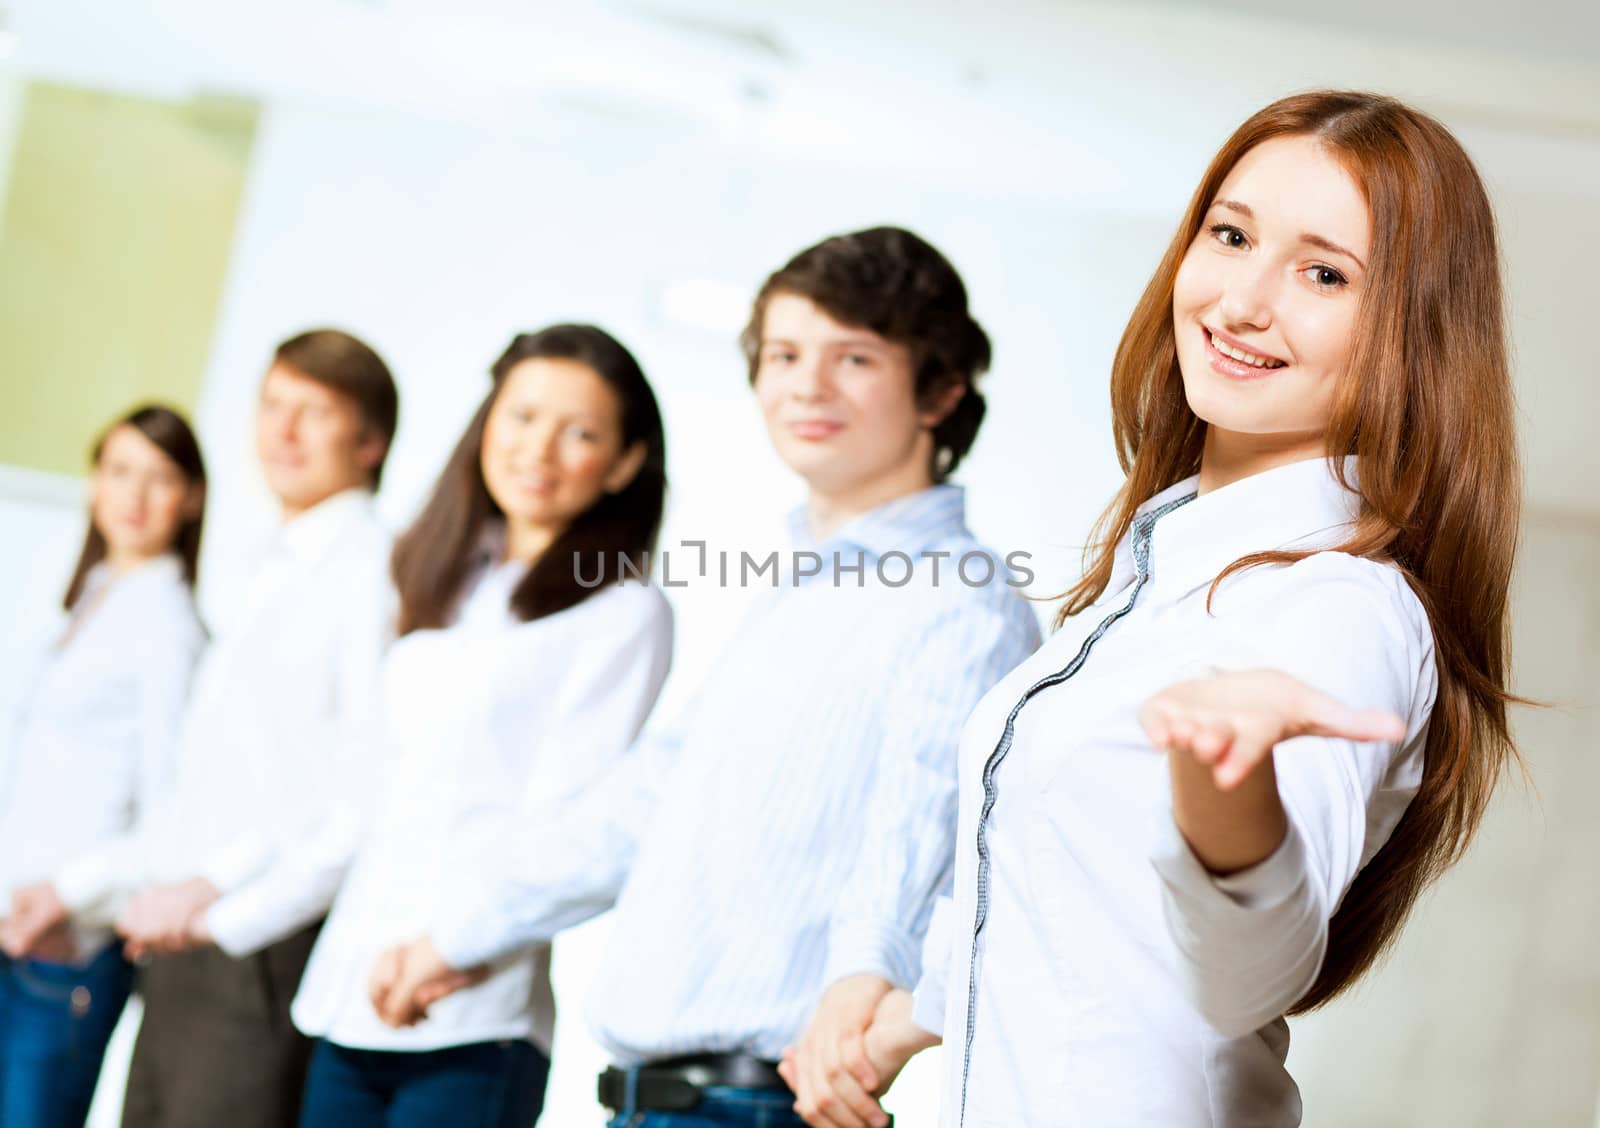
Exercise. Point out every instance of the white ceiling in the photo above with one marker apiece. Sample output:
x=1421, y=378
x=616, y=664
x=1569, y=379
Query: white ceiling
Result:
x=1548, y=29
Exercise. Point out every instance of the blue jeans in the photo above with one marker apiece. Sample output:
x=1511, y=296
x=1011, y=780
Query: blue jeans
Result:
x=484, y=1085
x=55, y=1021
x=722, y=1107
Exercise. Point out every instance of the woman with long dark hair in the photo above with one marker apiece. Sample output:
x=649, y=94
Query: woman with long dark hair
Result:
x=90, y=753
x=1275, y=707
x=531, y=652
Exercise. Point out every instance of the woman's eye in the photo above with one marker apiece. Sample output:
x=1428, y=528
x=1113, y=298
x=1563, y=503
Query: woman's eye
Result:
x=857, y=360
x=1325, y=277
x=1229, y=236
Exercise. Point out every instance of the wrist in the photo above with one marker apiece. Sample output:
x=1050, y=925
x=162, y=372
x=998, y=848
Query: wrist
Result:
x=912, y=1039
x=1228, y=830
x=896, y=1032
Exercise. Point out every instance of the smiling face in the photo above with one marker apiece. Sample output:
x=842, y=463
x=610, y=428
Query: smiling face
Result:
x=1264, y=304
x=139, y=497
x=840, y=405
x=552, y=446
x=312, y=440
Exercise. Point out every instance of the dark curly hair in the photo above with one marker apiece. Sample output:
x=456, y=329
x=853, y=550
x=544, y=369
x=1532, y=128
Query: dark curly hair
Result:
x=901, y=287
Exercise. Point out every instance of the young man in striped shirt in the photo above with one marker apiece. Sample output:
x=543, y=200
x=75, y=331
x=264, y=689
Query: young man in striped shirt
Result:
x=796, y=827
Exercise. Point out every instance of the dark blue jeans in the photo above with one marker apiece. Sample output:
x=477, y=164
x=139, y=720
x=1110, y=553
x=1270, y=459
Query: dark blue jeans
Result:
x=722, y=1107
x=55, y=1020
x=484, y=1085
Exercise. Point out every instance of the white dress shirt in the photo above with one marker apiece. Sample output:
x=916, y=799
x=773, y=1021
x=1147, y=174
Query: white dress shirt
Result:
x=276, y=727
x=726, y=846
x=1116, y=981
x=491, y=719
x=92, y=749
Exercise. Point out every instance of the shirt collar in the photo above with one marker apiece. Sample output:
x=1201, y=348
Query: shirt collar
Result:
x=905, y=524
x=164, y=568
x=307, y=536
x=491, y=579
x=1301, y=506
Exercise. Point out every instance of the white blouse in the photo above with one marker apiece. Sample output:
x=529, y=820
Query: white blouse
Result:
x=94, y=744
x=278, y=721
x=1117, y=982
x=490, y=720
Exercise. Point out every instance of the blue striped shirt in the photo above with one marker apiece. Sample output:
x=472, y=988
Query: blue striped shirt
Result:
x=798, y=823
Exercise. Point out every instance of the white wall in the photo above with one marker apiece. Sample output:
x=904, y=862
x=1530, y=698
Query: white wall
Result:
x=1488, y=1013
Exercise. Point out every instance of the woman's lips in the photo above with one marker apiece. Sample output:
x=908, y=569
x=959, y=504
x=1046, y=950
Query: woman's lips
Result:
x=1231, y=366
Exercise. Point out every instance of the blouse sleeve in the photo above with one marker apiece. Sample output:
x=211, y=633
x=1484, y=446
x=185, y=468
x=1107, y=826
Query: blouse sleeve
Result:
x=938, y=949
x=274, y=886
x=1250, y=944
x=164, y=663
x=556, y=855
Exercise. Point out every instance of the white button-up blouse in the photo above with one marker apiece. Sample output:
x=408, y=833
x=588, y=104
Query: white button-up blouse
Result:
x=490, y=722
x=1114, y=981
x=94, y=744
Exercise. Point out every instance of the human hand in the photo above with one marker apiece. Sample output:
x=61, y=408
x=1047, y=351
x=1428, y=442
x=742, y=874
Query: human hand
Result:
x=889, y=1041
x=410, y=978
x=37, y=925
x=833, y=1078
x=1232, y=721
x=166, y=918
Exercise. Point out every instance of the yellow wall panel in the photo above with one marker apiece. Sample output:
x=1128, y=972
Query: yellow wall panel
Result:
x=118, y=219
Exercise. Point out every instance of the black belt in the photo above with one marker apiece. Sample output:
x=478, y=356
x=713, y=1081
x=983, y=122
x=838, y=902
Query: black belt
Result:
x=676, y=1084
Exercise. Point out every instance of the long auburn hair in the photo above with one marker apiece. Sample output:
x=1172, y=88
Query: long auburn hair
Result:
x=171, y=433
x=1427, y=409
x=434, y=557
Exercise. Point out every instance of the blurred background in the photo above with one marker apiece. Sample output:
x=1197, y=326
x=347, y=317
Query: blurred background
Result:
x=183, y=184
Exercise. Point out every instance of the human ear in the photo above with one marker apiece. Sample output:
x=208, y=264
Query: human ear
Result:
x=629, y=463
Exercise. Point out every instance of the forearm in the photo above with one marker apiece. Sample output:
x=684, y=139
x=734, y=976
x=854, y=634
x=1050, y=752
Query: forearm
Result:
x=896, y=1030
x=547, y=878
x=1246, y=923
x=1228, y=830
x=882, y=912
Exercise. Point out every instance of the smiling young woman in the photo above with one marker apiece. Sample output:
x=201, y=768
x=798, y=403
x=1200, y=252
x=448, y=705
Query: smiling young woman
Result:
x=89, y=755
x=512, y=692
x=1404, y=366
x=1331, y=299
x=1275, y=705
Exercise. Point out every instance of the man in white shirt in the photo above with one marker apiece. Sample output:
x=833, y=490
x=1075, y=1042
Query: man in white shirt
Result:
x=730, y=850
x=270, y=739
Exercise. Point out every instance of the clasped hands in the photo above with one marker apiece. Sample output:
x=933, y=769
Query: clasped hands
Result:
x=36, y=926
x=157, y=919
x=856, y=1044
x=162, y=919
x=410, y=978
